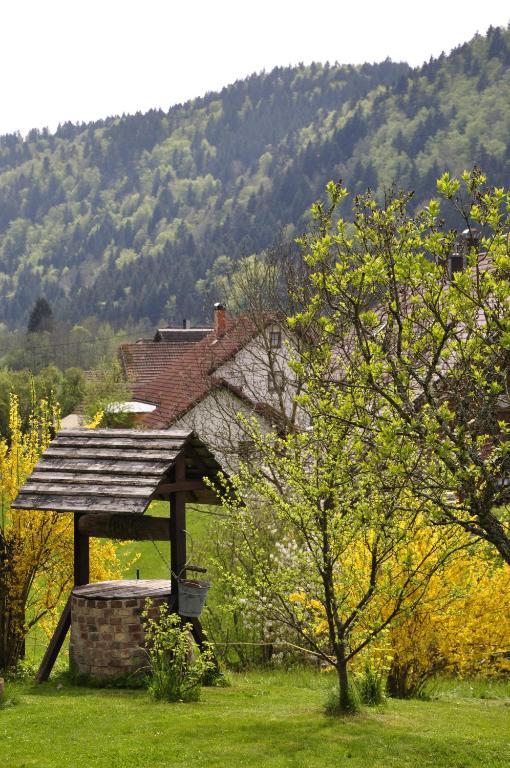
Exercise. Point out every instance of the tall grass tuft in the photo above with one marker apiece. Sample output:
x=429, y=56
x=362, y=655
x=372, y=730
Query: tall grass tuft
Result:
x=371, y=686
x=332, y=706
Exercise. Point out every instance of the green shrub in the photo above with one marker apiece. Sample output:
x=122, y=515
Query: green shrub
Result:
x=371, y=686
x=176, y=670
x=22, y=672
x=4, y=700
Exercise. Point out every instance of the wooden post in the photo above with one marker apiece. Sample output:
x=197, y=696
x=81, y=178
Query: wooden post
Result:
x=81, y=555
x=81, y=576
x=55, y=645
x=177, y=530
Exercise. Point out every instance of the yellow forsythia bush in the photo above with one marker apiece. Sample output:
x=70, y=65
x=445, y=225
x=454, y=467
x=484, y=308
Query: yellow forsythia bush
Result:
x=36, y=548
x=461, y=627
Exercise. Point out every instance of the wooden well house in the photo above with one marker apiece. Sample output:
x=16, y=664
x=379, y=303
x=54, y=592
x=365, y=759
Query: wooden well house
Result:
x=107, y=479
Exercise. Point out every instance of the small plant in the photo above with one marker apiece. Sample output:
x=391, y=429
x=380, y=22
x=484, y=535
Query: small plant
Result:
x=176, y=671
x=371, y=686
x=4, y=701
x=22, y=672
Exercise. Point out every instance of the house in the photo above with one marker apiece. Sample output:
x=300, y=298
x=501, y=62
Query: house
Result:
x=241, y=367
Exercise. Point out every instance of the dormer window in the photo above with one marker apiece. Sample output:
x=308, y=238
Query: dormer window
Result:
x=275, y=339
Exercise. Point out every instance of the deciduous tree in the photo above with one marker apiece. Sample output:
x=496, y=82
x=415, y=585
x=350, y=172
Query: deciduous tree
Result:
x=420, y=319
x=351, y=550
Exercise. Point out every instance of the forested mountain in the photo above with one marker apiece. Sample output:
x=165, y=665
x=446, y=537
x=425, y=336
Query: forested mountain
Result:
x=119, y=218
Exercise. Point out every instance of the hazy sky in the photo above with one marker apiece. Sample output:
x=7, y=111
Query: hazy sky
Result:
x=68, y=60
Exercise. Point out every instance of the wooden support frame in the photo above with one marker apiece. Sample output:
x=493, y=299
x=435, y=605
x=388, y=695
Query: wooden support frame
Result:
x=81, y=554
x=124, y=527
x=81, y=573
x=55, y=645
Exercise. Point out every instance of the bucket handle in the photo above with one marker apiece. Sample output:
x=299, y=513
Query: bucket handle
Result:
x=187, y=565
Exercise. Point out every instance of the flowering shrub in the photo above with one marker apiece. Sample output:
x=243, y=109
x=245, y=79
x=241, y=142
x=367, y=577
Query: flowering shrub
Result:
x=36, y=548
x=176, y=672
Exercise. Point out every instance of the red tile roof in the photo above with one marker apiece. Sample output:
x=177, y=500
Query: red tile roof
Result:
x=144, y=360
x=188, y=378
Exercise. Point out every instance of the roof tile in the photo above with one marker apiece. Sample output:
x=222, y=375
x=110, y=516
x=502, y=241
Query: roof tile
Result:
x=188, y=378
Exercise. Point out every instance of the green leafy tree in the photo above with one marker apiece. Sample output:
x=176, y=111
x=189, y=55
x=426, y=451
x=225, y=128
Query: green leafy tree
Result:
x=104, y=392
x=351, y=552
x=72, y=390
x=420, y=319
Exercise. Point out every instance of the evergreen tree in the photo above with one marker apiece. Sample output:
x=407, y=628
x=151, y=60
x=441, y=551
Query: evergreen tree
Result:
x=41, y=317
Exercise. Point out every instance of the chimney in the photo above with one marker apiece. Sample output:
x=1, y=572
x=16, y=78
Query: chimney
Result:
x=469, y=238
x=456, y=263
x=220, y=320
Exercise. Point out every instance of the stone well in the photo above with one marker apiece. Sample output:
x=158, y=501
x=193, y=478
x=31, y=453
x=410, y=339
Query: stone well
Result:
x=107, y=636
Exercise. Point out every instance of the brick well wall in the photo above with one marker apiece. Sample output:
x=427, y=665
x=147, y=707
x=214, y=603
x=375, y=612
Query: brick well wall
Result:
x=107, y=636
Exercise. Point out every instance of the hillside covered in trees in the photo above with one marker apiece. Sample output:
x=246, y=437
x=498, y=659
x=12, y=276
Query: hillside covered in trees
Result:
x=118, y=219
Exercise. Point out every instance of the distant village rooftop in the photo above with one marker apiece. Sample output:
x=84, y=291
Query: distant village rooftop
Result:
x=182, y=335
x=144, y=359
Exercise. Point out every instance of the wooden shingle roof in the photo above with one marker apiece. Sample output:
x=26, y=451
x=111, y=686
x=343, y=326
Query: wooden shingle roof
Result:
x=110, y=471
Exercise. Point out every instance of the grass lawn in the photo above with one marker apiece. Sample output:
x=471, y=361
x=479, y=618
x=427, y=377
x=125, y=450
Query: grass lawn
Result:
x=268, y=719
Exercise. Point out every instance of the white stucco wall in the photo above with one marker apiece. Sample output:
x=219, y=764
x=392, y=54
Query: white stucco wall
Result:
x=215, y=421
x=252, y=366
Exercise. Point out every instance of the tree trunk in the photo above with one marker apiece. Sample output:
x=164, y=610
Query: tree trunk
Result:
x=12, y=613
x=345, y=700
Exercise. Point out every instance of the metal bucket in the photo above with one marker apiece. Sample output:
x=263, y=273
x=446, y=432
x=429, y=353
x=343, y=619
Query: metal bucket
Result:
x=192, y=594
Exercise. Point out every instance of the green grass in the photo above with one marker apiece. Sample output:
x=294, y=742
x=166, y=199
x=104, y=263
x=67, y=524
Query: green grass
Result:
x=477, y=688
x=267, y=720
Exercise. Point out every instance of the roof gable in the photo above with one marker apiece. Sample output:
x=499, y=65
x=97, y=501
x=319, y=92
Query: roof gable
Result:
x=188, y=378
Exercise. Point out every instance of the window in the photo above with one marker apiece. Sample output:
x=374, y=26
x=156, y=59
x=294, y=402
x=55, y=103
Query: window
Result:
x=275, y=339
x=275, y=381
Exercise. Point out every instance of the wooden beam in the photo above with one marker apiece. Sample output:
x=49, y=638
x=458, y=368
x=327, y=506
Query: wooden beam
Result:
x=66, y=489
x=182, y=485
x=60, y=452
x=135, y=527
x=178, y=529
x=81, y=504
x=81, y=555
x=55, y=645
x=77, y=478
x=134, y=443
x=134, y=434
x=108, y=466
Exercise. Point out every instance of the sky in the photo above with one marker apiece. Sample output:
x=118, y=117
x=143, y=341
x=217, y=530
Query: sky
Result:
x=88, y=59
